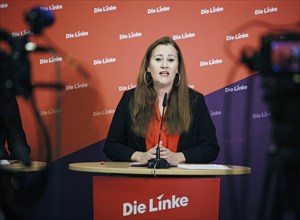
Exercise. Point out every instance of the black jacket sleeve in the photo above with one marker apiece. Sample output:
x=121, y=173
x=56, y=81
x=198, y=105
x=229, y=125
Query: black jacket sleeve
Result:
x=119, y=145
x=12, y=132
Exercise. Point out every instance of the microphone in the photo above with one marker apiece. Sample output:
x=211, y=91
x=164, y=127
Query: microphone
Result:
x=159, y=163
x=38, y=18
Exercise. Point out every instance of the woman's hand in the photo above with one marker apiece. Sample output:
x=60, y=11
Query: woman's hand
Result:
x=143, y=157
x=173, y=158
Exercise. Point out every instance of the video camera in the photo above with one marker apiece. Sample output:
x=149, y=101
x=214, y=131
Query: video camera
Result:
x=279, y=56
x=278, y=62
x=15, y=73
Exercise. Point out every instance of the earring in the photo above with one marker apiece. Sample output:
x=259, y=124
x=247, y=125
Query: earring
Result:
x=177, y=80
x=147, y=78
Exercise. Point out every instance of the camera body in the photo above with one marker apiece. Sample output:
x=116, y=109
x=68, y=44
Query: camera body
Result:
x=279, y=56
x=14, y=67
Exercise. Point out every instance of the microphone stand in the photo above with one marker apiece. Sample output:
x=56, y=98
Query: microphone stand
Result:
x=159, y=163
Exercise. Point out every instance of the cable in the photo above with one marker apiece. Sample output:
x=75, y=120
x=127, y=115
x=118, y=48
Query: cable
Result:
x=256, y=23
x=70, y=60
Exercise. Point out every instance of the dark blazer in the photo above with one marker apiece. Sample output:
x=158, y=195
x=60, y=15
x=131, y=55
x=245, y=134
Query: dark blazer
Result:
x=12, y=132
x=199, y=145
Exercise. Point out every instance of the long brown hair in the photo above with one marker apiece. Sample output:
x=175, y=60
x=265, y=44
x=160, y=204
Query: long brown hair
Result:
x=177, y=118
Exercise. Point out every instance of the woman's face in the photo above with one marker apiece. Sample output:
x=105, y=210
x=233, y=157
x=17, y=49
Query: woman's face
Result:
x=163, y=65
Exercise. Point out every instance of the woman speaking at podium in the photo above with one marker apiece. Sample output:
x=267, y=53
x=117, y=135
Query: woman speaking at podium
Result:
x=182, y=128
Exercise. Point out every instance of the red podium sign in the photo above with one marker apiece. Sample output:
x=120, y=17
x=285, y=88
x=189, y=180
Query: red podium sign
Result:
x=156, y=198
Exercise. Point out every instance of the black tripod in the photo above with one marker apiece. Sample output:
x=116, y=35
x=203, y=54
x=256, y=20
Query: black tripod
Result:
x=282, y=201
x=281, y=189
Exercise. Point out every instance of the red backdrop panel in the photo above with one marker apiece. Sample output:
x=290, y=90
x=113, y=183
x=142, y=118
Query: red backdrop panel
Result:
x=109, y=38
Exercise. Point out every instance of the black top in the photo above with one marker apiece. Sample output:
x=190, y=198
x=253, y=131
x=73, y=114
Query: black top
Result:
x=199, y=145
x=11, y=132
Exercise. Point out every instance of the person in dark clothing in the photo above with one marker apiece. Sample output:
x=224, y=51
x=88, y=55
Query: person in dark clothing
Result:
x=13, y=143
x=188, y=133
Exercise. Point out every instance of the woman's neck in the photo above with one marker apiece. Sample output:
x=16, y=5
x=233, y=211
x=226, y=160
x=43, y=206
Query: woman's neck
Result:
x=160, y=91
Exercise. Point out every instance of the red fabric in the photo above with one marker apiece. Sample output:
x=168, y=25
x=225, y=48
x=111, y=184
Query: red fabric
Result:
x=168, y=141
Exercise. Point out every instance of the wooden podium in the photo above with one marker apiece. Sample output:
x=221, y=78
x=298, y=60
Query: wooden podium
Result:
x=18, y=166
x=142, y=193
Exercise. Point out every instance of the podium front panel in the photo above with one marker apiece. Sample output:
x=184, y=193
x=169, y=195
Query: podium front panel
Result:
x=155, y=198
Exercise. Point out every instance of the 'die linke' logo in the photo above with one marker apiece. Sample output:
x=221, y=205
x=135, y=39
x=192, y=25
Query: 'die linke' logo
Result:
x=154, y=205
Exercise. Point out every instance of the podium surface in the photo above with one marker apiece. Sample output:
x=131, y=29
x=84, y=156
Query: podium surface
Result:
x=18, y=166
x=125, y=168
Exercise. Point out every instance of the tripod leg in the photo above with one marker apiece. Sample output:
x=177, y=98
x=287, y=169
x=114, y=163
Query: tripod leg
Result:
x=265, y=192
x=277, y=201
